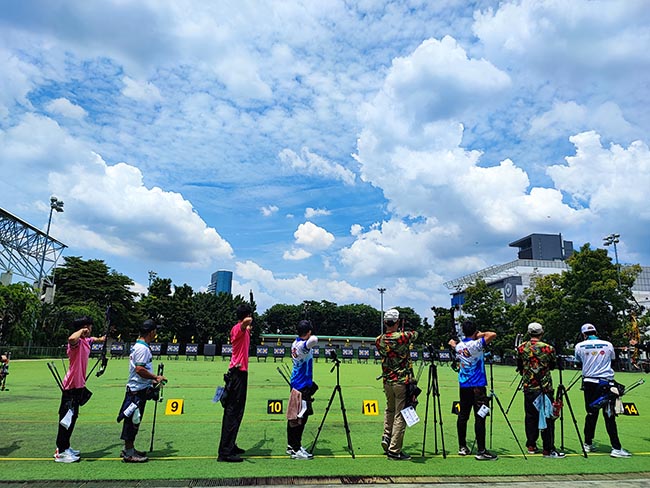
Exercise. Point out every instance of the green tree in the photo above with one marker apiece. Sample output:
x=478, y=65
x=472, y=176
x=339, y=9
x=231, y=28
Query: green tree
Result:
x=488, y=309
x=438, y=335
x=586, y=293
x=92, y=283
x=19, y=310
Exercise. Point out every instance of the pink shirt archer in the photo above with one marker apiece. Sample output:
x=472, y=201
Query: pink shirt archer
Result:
x=78, y=354
x=241, y=341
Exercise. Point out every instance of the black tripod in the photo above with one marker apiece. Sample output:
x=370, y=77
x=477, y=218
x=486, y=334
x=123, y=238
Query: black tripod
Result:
x=493, y=396
x=563, y=396
x=337, y=388
x=158, y=397
x=432, y=389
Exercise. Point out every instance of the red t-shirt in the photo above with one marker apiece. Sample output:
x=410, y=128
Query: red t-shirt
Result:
x=241, y=341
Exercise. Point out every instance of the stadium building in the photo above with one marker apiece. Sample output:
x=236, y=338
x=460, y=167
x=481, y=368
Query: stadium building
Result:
x=538, y=255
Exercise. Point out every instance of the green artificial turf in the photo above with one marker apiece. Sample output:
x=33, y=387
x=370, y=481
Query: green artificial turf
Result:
x=186, y=445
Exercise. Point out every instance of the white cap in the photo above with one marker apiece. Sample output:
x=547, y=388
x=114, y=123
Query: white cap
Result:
x=391, y=315
x=535, y=328
x=587, y=328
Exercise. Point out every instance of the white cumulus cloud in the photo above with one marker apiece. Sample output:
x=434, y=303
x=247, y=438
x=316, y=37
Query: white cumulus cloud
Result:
x=607, y=180
x=269, y=210
x=312, y=236
x=296, y=254
x=310, y=163
x=315, y=212
x=142, y=91
x=65, y=107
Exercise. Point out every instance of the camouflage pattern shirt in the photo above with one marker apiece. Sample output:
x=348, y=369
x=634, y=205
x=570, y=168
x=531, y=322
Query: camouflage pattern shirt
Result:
x=535, y=360
x=395, y=356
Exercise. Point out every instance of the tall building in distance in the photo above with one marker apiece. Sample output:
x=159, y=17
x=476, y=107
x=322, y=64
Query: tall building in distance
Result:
x=221, y=282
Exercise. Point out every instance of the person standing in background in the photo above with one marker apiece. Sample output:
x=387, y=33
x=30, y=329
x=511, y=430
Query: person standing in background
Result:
x=74, y=393
x=235, y=403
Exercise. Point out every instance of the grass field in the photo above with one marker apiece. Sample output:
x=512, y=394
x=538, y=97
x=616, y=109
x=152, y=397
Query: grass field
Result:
x=186, y=445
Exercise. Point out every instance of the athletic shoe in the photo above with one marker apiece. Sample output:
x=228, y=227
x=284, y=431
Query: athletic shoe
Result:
x=137, y=453
x=486, y=456
x=620, y=453
x=65, y=457
x=301, y=454
x=233, y=458
x=385, y=443
x=238, y=450
x=554, y=454
x=303, y=450
x=464, y=451
x=402, y=456
x=76, y=452
x=290, y=451
x=533, y=450
x=589, y=447
x=135, y=459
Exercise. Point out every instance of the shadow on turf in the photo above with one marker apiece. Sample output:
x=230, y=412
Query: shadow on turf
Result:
x=258, y=448
x=168, y=451
x=5, y=451
x=108, y=451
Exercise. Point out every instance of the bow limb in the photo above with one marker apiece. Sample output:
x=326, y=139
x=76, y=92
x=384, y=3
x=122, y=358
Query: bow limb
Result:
x=102, y=361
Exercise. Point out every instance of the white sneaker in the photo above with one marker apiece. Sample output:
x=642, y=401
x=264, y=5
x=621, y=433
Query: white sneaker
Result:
x=305, y=451
x=589, y=447
x=302, y=454
x=620, y=453
x=65, y=457
x=74, y=452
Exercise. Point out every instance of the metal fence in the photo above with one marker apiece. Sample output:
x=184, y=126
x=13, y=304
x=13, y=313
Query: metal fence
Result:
x=33, y=352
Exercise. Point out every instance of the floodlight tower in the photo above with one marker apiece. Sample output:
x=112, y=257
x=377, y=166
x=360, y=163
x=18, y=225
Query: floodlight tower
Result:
x=55, y=205
x=608, y=241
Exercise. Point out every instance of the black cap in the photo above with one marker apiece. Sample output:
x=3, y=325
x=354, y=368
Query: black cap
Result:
x=81, y=322
x=147, y=326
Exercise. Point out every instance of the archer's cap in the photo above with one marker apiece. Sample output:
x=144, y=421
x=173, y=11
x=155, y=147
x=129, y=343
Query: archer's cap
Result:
x=147, y=326
x=391, y=315
x=535, y=328
x=81, y=322
x=587, y=328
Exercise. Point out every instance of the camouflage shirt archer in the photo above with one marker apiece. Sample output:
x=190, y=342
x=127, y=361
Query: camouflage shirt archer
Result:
x=536, y=359
x=396, y=356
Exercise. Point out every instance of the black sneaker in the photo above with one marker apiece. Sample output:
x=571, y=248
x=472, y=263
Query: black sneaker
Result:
x=238, y=450
x=233, y=458
x=385, y=443
x=485, y=456
x=464, y=451
x=137, y=453
x=402, y=456
x=135, y=459
x=554, y=454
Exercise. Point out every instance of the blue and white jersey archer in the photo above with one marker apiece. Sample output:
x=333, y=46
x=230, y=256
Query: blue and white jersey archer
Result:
x=302, y=355
x=472, y=363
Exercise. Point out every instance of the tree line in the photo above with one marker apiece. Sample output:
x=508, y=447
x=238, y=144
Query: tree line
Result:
x=588, y=292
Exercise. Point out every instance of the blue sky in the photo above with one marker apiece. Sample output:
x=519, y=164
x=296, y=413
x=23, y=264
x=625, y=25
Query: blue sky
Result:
x=320, y=150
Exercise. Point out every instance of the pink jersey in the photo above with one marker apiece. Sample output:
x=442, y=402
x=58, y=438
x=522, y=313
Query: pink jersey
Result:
x=78, y=354
x=241, y=341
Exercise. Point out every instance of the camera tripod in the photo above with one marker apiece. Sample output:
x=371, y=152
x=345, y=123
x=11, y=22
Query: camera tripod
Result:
x=157, y=399
x=563, y=396
x=337, y=389
x=493, y=396
x=432, y=390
